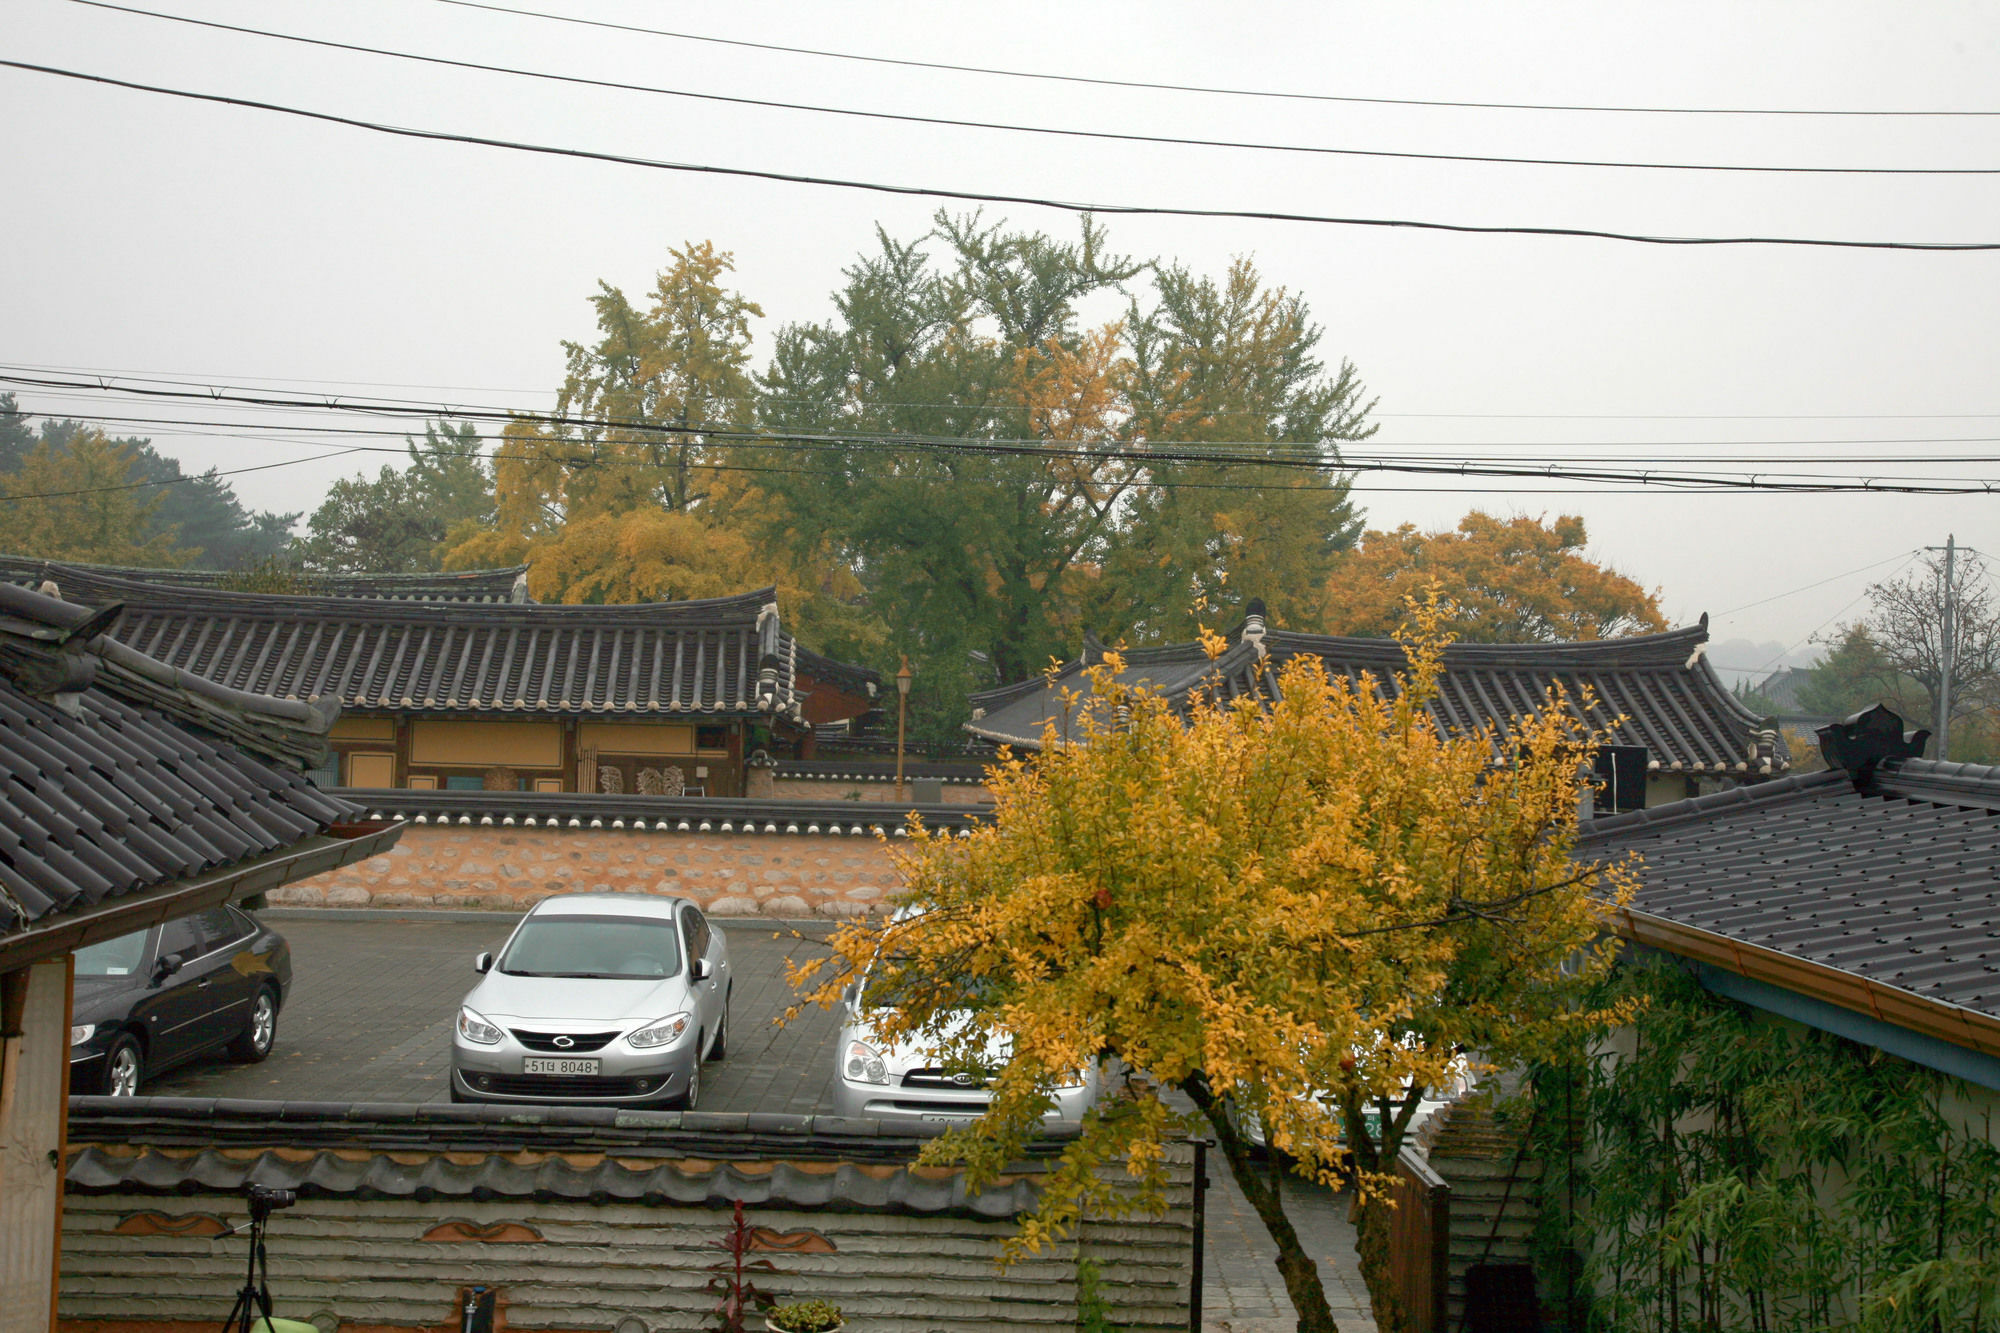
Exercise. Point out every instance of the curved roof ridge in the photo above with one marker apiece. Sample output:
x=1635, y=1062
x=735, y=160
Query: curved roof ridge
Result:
x=1940, y=781
x=165, y=596
x=1666, y=647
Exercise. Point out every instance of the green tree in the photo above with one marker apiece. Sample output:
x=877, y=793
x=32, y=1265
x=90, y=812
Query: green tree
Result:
x=1086, y=509
x=965, y=557
x=399, y=522
x=196, y=512
x=16, y=436
x=1304, y=914
x=1232, y=366
x=82, y=500
x=1853, y=675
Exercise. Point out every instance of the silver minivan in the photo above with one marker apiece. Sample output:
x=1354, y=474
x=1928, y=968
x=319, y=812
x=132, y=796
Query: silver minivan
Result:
x=597, y=998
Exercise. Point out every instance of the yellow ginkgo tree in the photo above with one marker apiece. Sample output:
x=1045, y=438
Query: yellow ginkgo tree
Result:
x=1310, y=911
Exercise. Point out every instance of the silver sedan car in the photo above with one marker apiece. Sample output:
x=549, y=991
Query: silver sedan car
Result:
x=598, y=998
x=899, y=1081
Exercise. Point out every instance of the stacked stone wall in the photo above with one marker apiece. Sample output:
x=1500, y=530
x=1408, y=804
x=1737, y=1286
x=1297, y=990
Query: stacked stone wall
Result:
x=509, y=868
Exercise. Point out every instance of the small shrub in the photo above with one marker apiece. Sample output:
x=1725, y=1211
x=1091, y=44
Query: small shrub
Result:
x=807, y=1317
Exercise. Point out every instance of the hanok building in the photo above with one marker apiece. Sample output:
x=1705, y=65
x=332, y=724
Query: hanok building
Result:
x=1678, y=729
x=447, y=684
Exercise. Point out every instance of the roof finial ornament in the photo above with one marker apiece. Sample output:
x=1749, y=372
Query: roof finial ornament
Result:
x=1253, y=625
x=518, y=594
x=49, y=589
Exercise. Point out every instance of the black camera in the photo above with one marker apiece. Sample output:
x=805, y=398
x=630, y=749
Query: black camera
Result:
x=264, y=1200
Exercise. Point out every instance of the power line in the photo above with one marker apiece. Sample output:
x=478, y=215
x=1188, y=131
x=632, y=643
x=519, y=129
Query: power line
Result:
x=7, y=497
x=1779, y=597
x=1194, y=88
x=1458, y=450
x=975, y=196
x=1657, y=480
x=1011, y=128
x=182, y=377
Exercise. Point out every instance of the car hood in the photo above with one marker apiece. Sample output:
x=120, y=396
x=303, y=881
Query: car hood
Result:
x=566, y=1001
x=98, y=998
x=903, y=1056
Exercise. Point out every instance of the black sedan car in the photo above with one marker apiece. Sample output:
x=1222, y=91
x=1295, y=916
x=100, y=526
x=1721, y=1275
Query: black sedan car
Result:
x=159, y=997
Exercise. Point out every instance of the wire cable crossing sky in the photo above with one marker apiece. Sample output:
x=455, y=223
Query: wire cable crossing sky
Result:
x=991, y=197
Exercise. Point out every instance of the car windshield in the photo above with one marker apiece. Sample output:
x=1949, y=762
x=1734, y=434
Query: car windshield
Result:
x=112, y=958
x=621, y=948
x=885, y=987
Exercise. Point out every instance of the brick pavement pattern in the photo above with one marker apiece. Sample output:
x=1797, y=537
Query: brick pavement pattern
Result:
x=374, y=998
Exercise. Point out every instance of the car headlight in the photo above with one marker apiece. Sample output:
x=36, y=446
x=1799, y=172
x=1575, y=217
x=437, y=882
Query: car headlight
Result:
x=80, y=1034
x=659, y=1032
x=476, y=1029
x=863, y=1064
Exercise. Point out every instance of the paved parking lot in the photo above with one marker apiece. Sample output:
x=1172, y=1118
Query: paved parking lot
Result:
x=374, y=997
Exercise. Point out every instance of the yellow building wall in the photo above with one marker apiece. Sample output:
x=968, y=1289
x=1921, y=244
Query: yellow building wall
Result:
x=483, y=744
x=635, y=738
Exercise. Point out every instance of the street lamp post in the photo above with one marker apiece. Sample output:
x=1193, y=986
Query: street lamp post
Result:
x=902, y=713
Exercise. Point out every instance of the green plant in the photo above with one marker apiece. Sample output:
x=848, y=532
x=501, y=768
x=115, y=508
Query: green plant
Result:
x=807, y=1317
x=731, y=1281
x=1726, y=1170
x=1093, y=1311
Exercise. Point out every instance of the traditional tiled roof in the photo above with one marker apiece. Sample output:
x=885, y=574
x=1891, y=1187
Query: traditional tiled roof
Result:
x=1660, y=687
x=652, y=659
x=1893, y=879
x=119, y=774
x=171, y=1146
x=78, y=581
x=844, y=676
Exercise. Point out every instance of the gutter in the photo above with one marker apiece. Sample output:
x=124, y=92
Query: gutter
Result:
x=341, y=845
x=1890, y=1006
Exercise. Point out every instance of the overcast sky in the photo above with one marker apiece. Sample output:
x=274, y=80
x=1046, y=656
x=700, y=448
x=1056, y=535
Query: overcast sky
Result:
x=147, y=235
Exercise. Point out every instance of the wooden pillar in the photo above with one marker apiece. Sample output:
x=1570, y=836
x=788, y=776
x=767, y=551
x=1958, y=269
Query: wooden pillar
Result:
x=34, y=1073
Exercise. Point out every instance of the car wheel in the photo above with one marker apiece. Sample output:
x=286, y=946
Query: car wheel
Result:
x=720, y=1046
x=260, y=1031
x=692, y=1097
x=451, y=1085
x=124, y=1068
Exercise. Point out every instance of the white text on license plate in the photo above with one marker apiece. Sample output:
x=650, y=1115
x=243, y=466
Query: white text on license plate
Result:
x=532, y=1065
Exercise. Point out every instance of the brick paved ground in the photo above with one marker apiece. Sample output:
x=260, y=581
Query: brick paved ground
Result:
x=374, y=997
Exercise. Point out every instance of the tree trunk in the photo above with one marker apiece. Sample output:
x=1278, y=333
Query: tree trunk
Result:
x=1373, y=1228
x=1295, y=1266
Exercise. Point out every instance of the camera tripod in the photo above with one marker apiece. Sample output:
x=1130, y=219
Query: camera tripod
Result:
x=252, y=1311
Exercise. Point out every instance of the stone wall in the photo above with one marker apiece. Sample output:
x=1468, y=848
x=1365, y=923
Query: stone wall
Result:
x=740, y=874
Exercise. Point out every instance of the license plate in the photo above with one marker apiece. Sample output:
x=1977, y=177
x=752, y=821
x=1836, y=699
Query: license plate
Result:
x=965, y=1119
x=532, y=1065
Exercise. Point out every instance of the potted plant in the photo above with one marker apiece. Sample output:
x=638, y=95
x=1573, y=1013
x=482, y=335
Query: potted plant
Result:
x=805, y=1317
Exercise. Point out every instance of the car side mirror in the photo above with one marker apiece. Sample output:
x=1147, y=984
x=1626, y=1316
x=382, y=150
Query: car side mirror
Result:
x=165, y=967
x=482, y=962
x=850, y=995
x=699, y=969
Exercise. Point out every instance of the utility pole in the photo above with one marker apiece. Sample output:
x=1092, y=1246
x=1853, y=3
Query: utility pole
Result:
x=1946, y=632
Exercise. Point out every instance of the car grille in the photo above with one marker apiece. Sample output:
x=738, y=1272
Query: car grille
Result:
x=944, y=1082
x=562, y=1085
x=578, y=1041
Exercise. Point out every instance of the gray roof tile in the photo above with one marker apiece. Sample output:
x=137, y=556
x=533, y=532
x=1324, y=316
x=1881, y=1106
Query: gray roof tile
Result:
x=138, y=779
x=1668, y=697
x=1895, y=879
